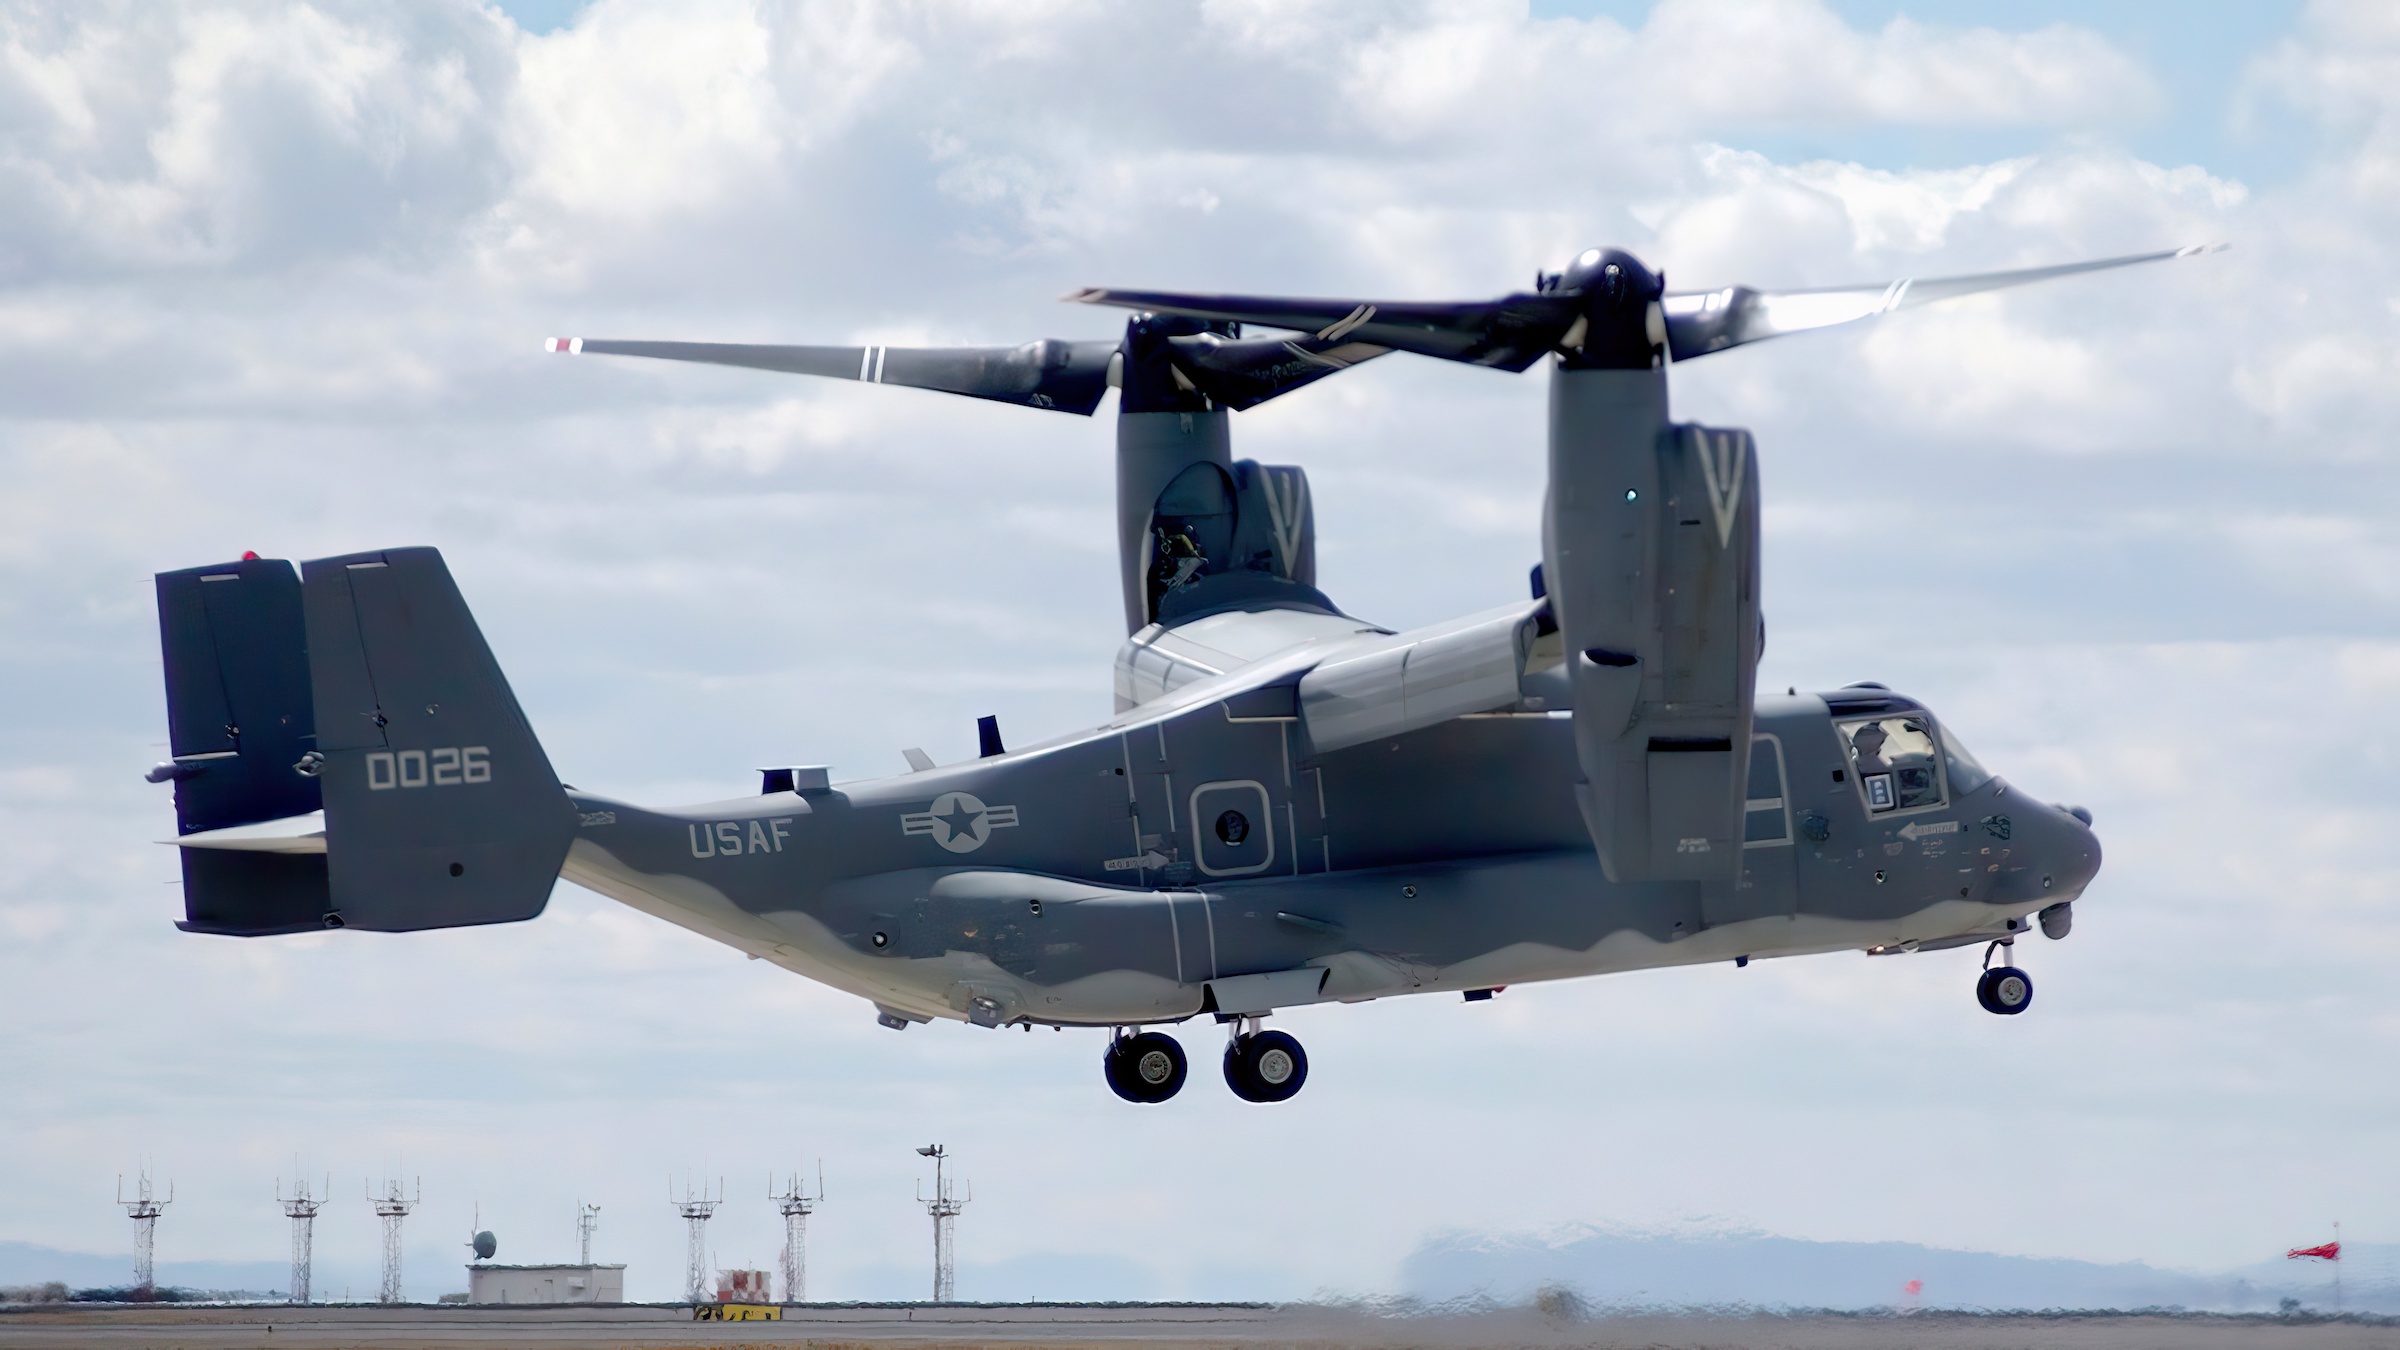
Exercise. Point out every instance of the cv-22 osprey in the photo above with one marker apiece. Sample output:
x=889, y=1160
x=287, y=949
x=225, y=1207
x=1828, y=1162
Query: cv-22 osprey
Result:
x=1290, y=806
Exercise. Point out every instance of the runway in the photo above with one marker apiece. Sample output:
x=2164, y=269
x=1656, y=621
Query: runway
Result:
x=1148, y=1326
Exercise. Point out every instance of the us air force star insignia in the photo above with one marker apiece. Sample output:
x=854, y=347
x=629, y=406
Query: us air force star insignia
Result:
x=959, y=821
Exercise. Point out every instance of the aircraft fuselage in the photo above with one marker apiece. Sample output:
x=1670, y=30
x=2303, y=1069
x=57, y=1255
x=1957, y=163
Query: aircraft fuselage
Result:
x=1198, y=861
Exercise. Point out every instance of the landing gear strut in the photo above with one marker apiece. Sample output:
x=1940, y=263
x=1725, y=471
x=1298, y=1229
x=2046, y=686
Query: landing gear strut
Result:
x=1264, y=1066
x=2003, y=989
x=1147, y=1067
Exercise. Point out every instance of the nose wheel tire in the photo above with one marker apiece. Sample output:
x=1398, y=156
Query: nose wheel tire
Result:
x=1265, y=1066
x=1149, y=1067
x=2006, y=991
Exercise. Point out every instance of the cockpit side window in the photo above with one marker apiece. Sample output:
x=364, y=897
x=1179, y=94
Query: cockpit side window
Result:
x=1897, y=762
x=1967, y=774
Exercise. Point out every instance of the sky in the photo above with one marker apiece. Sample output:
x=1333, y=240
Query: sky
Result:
x=276, y=277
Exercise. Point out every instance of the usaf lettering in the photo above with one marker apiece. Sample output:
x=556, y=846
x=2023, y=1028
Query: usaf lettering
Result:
x=726, y=838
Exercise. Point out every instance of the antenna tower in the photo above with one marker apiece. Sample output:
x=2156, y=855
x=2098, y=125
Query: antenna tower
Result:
x=695, y=1211
x=301, y=1207
x=795, y=1205
x=587, y=1222
x=944, y=1206
x=144, y=1209
x=393, y=1206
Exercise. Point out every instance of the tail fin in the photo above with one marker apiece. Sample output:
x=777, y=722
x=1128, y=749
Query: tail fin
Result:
x=238, y=711
x=363, y=686
x=239, y=719
x=440, y=808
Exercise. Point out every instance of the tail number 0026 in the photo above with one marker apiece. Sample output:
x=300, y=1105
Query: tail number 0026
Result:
x=448, y=766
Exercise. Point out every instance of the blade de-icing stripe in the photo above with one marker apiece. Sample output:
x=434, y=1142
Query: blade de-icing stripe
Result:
x=1347, y=324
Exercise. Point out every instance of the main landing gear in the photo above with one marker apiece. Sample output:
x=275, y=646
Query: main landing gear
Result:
x=1148, y=1067
x=1264, y=1066
x=1260, y=1066
x=2003, y=989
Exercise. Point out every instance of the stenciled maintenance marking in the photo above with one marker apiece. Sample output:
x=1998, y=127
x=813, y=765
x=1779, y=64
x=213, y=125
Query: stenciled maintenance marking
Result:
x=959, y=821
x=730, y=838
x=1912, y=833
x=1153, y=858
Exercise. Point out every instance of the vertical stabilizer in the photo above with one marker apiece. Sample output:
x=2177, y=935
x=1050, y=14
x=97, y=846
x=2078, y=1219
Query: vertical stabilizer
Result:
x=238, y=709
x=239, y=722
x=440, y=808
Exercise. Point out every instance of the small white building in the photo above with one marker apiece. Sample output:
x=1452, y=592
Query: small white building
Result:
x=489, y=1283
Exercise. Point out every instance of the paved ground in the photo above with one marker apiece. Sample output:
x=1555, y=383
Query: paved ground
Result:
x=1136, y=1327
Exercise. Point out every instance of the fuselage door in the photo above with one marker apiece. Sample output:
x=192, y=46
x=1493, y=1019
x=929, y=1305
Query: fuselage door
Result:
x=1768, y=886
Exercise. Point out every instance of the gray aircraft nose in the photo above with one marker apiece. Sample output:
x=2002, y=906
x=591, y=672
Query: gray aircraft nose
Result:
x=2068, y=850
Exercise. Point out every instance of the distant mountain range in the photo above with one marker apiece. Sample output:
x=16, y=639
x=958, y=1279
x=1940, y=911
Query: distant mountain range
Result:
x=1690, y=1266
x=28, y=1263
x=1703, y=1266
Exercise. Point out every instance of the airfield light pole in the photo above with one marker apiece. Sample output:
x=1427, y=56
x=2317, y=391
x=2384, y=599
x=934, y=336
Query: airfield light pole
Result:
x=695, y=1211
x=587, y=1222
x=144, y=1209
x=795, y=1205
x=301, y=1207
x=944, y=1206
x=391, y=1207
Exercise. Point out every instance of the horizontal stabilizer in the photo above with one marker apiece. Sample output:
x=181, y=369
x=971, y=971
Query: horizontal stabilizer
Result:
x=293, y=834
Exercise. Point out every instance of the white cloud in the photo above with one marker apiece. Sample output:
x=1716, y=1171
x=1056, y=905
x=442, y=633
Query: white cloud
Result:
x=273, y=277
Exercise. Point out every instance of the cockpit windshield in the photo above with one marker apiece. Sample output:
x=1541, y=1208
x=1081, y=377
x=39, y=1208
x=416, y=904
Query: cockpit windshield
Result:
x=1895, y=759
x=1966, y=773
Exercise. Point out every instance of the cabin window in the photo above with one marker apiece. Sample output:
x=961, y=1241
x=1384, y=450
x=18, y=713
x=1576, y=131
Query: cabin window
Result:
x=1897, y=762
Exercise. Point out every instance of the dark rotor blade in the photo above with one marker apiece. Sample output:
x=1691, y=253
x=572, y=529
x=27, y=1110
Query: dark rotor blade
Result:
x=1700, y=322
x=1062, y=376
x=1241, y=373
x=1510, y=333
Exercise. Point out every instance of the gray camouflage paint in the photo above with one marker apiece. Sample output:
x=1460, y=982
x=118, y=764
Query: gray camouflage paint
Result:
x=1451, y=858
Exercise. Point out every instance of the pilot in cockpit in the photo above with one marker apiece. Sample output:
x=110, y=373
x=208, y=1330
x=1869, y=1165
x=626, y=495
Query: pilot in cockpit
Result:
x=1867, y=744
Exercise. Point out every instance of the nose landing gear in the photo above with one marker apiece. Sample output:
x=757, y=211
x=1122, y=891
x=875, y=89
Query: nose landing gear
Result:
x=1147, y=1067
x=1264, y=1066
x=2004, y=989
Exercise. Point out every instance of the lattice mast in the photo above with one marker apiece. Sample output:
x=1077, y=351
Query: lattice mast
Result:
x=301, y=1208
x=144, y=1209
x=944, y=1205
x=392, y=1206
x=795, y=1206
x=587, y=1222
x=695, y=1210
